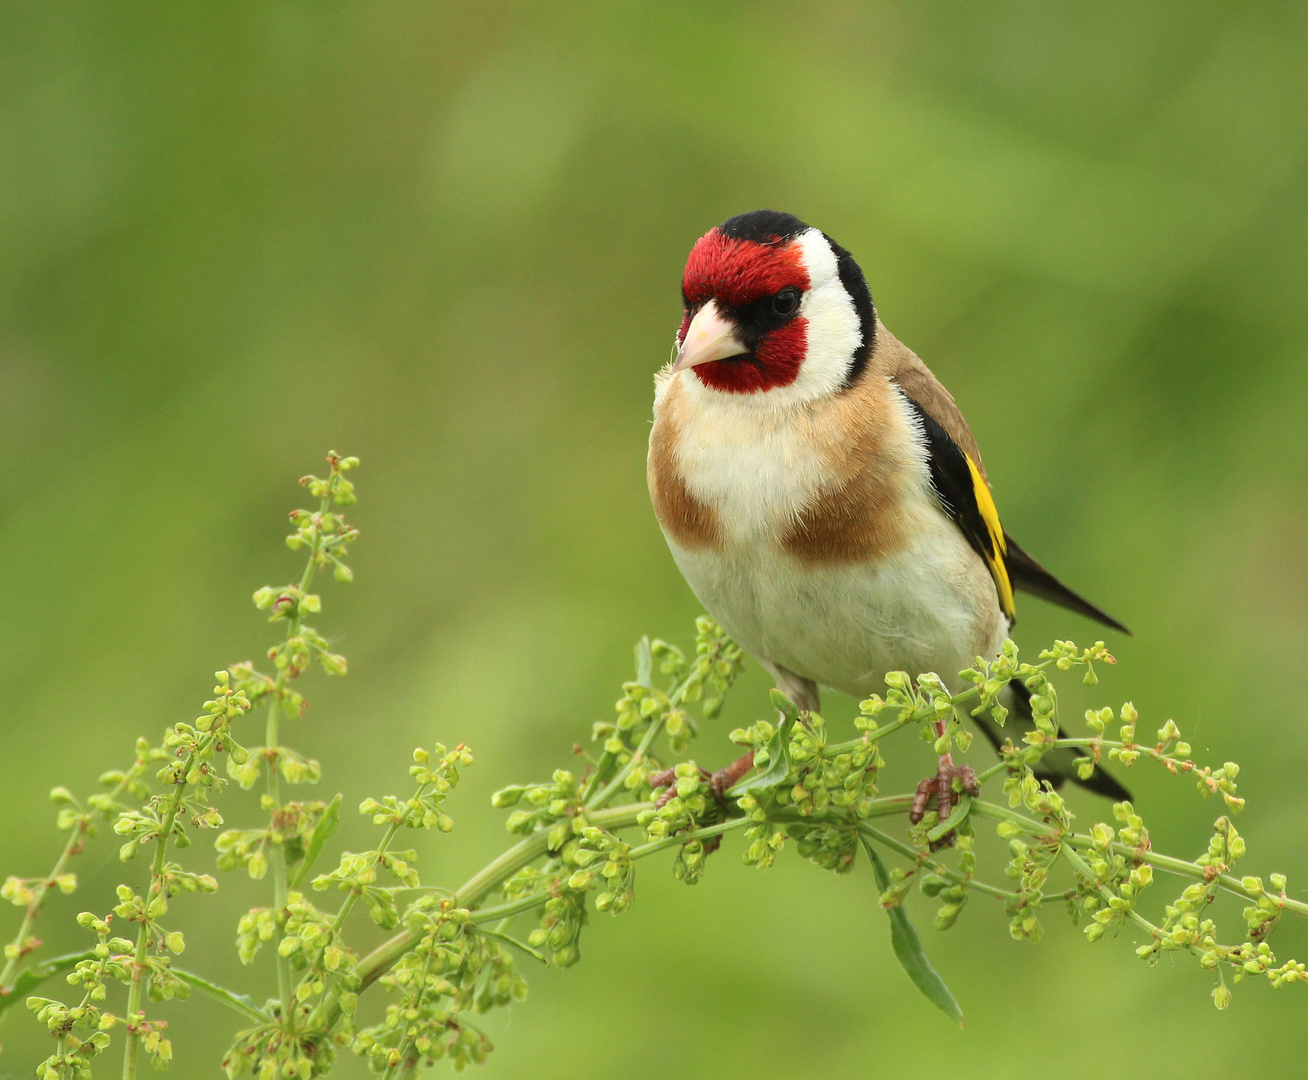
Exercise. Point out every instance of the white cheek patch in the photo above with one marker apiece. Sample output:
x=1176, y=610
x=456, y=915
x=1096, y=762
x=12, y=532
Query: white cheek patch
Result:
x=833, y=334
x=834, y=329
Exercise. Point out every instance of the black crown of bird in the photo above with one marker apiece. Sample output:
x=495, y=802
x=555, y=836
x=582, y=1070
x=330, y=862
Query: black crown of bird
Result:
x=821, y=492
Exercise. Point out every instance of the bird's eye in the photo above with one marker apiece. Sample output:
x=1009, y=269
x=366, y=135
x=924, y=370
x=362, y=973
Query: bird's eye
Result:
x=786, y=302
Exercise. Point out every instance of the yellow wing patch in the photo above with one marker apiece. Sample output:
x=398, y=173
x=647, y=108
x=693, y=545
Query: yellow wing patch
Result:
x=998, y=546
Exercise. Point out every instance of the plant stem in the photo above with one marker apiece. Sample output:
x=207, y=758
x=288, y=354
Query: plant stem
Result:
x=272, y=752
x=76, y=842
x=994, y=770
x=38, y=901
x=137, y=986
x=678, y=839
x=599, y=799
x=487, y=879
x=1182, y=867
x=408, y=1054
x=921, y=858
x=506, y=911
x=917, y=716
x=280, y=893
x=1083, y=868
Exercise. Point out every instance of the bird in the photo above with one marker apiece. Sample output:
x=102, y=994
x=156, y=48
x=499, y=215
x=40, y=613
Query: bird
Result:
x=822, y=494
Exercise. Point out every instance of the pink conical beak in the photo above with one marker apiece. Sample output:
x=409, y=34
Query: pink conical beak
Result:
x=709, y=337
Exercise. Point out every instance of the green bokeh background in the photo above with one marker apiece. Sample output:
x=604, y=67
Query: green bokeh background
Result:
x=447, y=237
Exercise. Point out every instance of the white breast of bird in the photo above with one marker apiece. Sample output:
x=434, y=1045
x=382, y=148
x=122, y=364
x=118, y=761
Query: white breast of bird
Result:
x=929, y=606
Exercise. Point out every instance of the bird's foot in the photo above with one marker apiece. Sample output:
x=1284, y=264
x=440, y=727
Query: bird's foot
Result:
x=668, y=779
x=718, y=782
x=941, y=788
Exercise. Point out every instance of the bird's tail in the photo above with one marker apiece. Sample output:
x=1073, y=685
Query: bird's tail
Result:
x=1056, y=766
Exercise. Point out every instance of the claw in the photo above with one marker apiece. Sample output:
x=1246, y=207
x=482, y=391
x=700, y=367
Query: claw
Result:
x=719, y=784
x=941, y=786
x=668, y=779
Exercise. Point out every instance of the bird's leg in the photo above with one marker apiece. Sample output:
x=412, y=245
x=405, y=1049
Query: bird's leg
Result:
x=803, y=692
x=725, y=778
x=942, y=787
x=667, y=778
x=719, y=782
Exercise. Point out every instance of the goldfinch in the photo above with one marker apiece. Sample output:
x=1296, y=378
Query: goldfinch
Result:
x=820, y=490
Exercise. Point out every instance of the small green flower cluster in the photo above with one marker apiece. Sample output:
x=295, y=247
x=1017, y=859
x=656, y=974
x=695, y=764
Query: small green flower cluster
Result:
x=24, y=892
x=554, y=806
x=190, y=753
x=269, y=1052
x=717, y=664
x=646, y=711
x=955, y=891
x=931, y=697
x=79, y=819
x=686, y=805
x=1108, y=897
x=326, y=534
x=561, y=925
x=293, y=831
x=617, y=870
x=952, y=892
x=989, y=679
x=358, y=873
x=81, y=1031
x=1170, y=751
x=839, y=783
x=1185, y=926
x=1066, y=656
x=846, y=780
x=1030, y=866
x=453, y=969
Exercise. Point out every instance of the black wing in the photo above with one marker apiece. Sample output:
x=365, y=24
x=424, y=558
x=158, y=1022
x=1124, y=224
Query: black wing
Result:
x=1029, y=576
x=965, y=496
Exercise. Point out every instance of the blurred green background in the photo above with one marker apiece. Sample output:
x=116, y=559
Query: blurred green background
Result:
x=448, y=238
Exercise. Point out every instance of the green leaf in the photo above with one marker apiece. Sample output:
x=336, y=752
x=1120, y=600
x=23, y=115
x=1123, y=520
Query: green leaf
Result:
x=510, y=940
x=644, y=663
x=955, y=818
x=778, y=763
x=34, y=976
x=322, y=832
x=908, y=947
x=241, y=1003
